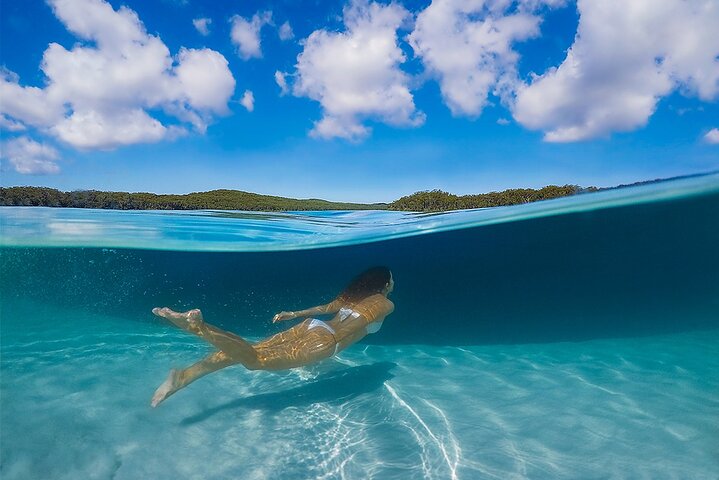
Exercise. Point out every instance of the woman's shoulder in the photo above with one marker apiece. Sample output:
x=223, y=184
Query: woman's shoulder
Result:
x=378, y=300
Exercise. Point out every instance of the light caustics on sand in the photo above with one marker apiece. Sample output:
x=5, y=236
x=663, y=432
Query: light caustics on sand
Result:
x=427, y=422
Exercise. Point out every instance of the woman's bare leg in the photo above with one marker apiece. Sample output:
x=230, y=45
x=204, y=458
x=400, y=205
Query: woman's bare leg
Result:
x=178, y=379
x=236, y=347
x=296, y=347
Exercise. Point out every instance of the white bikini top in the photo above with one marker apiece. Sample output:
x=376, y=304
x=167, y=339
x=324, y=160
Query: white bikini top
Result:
x=348, y=312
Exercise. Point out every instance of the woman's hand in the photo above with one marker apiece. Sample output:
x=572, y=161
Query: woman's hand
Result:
x=283, y=316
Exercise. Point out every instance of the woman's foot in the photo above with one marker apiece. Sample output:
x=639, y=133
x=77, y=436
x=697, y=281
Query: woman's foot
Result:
x=190, y=321
x=168, y=387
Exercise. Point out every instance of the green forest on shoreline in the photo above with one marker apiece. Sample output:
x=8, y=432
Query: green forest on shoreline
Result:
x=425, y=201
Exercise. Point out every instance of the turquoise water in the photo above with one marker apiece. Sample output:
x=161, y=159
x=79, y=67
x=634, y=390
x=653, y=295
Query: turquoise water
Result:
x=572, y=338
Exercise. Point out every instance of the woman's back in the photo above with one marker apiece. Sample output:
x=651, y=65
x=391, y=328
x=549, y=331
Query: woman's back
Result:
x=353, y=322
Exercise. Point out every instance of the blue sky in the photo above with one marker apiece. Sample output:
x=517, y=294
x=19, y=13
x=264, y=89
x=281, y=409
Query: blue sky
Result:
x=379, y=99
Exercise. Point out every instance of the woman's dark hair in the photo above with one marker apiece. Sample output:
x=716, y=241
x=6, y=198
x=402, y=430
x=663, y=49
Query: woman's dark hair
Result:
x=367, y=283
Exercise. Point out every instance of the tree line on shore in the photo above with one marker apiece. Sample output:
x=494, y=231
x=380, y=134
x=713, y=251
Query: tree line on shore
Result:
x=438, y=200
x=426, y=201
x=212, y=200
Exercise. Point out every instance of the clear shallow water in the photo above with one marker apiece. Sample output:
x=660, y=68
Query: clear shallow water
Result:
x=579, y=343
x=75, y=406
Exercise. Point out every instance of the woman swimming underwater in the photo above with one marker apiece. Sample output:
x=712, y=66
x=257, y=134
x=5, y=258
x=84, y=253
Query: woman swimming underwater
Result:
x=359, y=310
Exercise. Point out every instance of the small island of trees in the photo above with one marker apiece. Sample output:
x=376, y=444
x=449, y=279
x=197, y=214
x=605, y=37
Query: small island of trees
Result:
x=437, y=200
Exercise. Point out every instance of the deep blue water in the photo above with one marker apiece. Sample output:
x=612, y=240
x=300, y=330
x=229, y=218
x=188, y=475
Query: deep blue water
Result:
x=573, y=338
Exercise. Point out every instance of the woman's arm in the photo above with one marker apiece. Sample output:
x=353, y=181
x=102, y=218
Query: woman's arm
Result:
x=328, y=308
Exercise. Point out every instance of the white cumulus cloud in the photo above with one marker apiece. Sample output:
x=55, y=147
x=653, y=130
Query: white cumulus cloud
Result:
x=285, y=32
x=103, y=93
x=712, y=136
x=625, y=57
x=467, y=46
x=202, y=25
x=27, y=105
x=93, y=129
x=281, y=80
x=355, y=74
x=245, y=34
x=30, y=157
x=248, y=100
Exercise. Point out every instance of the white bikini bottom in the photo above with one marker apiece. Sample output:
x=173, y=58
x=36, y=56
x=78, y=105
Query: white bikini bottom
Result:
x=316, y=323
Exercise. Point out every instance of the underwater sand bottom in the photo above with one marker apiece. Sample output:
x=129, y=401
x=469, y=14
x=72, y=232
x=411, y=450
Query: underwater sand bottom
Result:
x=75, y=404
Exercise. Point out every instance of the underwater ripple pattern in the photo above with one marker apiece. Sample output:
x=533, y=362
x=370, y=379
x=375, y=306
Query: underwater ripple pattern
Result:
x=75, y=405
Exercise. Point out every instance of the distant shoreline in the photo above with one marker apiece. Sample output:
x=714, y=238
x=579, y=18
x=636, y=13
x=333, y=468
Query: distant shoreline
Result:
x=423, y=201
